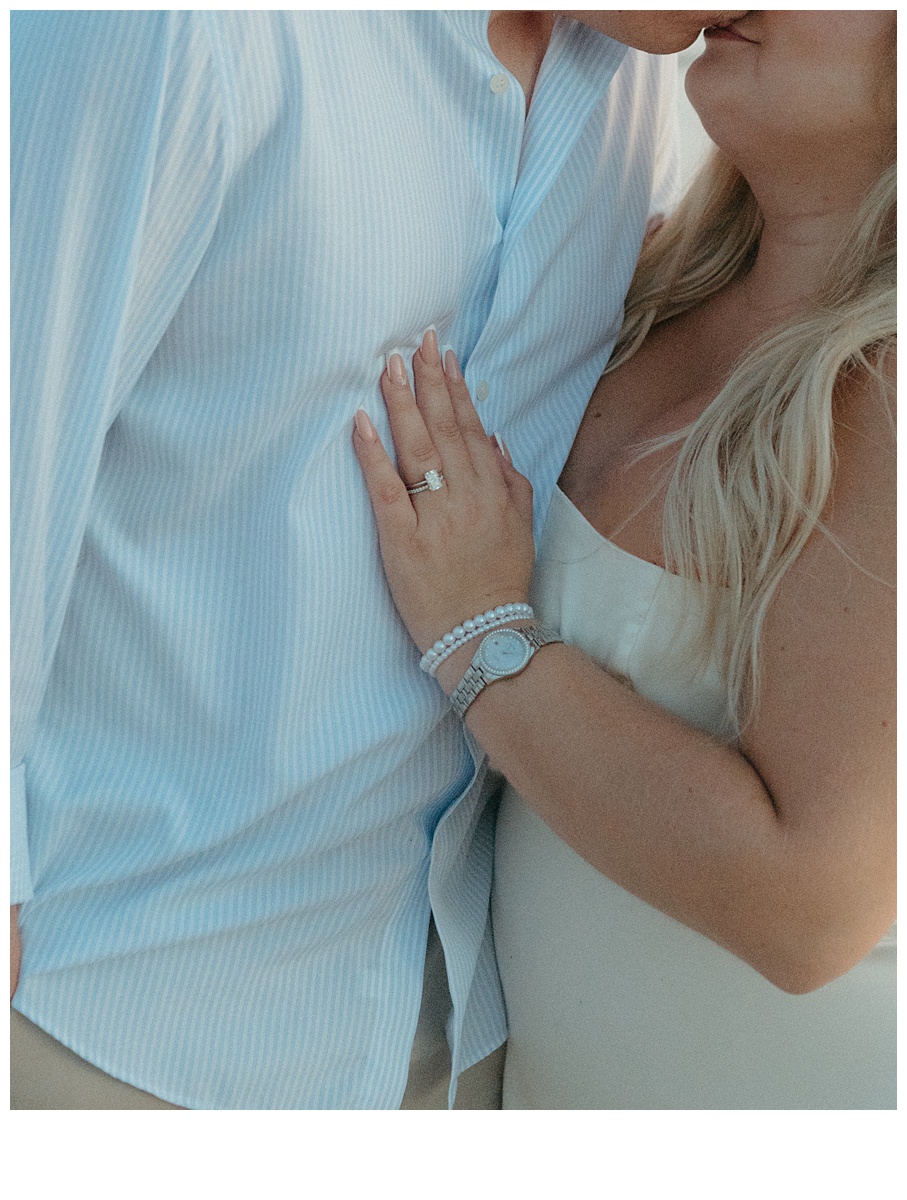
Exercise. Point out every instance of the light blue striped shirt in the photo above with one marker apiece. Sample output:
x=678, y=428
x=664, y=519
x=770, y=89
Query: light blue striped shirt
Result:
x=235, y=795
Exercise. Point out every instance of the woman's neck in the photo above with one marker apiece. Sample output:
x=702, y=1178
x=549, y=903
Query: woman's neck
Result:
x=792, y=260
x=807, y=211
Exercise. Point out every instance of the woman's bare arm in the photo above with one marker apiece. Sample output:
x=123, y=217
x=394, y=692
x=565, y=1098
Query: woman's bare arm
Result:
x=781, y=851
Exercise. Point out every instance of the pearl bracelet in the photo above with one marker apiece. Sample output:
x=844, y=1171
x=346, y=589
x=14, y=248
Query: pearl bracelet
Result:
x=461, y=634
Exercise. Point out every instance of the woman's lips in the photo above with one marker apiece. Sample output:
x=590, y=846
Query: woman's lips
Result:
x=727, y=33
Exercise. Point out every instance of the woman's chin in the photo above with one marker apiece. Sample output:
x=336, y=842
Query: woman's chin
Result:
x=717, y=104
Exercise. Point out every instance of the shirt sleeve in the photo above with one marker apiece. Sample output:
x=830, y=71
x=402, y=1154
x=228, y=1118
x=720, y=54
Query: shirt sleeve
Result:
x=116, y=179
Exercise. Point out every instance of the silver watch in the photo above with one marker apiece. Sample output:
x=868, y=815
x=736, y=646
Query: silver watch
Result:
x=501, y=654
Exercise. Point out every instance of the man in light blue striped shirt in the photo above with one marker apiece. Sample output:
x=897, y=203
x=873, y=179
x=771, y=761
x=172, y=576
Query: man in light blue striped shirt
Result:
x=236, y=799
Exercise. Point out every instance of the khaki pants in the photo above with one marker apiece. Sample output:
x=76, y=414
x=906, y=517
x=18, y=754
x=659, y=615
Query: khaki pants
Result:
x=429, y=1065
x=45, y=1074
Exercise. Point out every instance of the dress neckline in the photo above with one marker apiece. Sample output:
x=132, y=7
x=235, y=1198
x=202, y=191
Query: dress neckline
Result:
x=606, y=543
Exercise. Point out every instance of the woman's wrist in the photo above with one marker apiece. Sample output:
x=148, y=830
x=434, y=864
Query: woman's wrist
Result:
x=452, y=670
x=472, y=628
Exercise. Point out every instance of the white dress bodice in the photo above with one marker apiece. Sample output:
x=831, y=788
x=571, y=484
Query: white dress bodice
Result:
x=611, y=1003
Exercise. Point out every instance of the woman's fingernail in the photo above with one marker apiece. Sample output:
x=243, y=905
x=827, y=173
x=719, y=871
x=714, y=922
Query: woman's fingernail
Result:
x=451, y=366
x=396, y=371
x=429, y=350
x=503, y=449
x=364, y=427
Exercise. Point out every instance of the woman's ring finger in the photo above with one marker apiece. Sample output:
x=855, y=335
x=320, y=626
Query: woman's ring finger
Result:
x=431, y=481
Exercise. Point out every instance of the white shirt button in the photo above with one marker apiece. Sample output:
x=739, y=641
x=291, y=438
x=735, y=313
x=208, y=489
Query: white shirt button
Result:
x=482, y=390
x=500, y=83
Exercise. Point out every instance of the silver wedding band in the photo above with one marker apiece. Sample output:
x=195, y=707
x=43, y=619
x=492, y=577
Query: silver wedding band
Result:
x=431, y=481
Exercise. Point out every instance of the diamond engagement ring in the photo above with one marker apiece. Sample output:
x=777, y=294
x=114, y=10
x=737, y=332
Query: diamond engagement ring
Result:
x=432, y=481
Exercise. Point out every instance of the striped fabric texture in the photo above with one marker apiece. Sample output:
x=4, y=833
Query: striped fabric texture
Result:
x=235, y=796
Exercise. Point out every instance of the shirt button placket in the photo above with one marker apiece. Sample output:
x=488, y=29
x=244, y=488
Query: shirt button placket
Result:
x=500, y=83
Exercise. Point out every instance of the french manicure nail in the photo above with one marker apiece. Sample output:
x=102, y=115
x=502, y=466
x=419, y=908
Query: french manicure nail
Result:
x=396, y=371
x=364, y=427
x=429, y=349
x=451, y=366
x=503, y=449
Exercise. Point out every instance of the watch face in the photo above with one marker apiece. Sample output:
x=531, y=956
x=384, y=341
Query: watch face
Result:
x=504, y=652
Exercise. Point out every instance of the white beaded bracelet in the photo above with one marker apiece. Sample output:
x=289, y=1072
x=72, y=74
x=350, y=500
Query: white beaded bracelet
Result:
x=467, y=637
x=461, y=634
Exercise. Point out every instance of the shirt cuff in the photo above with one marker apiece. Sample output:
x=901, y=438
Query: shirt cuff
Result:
x=20, y=867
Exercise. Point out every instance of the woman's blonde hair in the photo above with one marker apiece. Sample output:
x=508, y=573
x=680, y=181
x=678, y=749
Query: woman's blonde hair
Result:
x=755, y=468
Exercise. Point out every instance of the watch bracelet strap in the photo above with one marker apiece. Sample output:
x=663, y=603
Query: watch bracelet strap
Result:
x=474, y=681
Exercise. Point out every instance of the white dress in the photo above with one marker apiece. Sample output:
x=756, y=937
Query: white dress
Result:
x=612, y=1004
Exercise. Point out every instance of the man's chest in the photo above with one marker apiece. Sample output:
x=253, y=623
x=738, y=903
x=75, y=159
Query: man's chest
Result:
x=370, y=193
x=381, y=174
